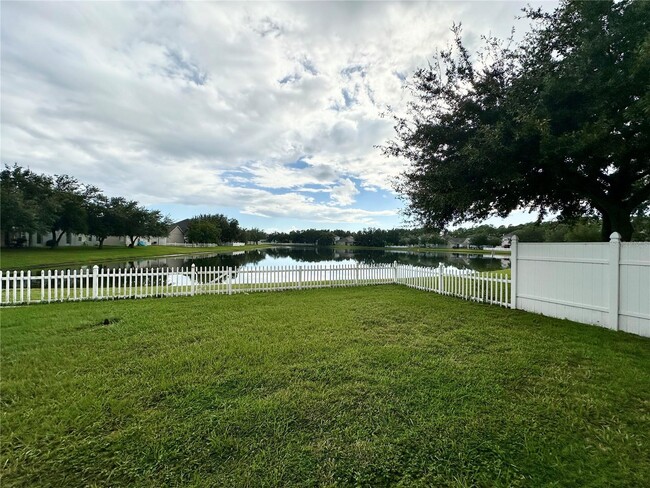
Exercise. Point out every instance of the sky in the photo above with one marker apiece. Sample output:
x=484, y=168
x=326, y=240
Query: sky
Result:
x=271, y=113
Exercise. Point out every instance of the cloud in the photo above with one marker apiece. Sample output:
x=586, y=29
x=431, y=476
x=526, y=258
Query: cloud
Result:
x=215, y=102
x=344, y=193
x=295, y=206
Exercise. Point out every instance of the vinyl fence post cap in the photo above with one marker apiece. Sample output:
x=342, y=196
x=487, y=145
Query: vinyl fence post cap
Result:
x=615, y=236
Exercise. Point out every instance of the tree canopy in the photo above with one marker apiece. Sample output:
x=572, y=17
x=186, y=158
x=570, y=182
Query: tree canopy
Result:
x=37, y=203
x=214, y=228
x=202, y=231
x=558, y=123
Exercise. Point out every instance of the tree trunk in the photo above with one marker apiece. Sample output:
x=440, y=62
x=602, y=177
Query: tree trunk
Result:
x=616, y=219
x=101, y=242
x=55, y=241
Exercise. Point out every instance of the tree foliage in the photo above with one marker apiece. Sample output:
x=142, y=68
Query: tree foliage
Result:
x=558, y=123
x=203, y=231
x=23, y=201
x=37, y=203
x=253, y=235
x=68, y=205
x=136, y=221
x=217, y=228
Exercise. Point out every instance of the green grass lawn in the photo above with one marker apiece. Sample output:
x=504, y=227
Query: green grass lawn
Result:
x=424, y=249
x=31, y=258
x=371, y=386
x=450, y=250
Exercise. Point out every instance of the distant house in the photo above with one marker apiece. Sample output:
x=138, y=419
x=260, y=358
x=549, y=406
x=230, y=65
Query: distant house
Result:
x=343, y=241
x=506, y=240
x=69, y=239
x=458, y=242
x=177, y=232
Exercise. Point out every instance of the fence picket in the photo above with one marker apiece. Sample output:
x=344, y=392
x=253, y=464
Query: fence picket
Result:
x=29, y=286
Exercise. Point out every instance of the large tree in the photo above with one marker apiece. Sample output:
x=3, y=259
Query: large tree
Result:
x=24, y=202
x=108, y=217
x=558, y=123
x=203, y=231
x=215, y=228
x=135, y=221
x=69, y=200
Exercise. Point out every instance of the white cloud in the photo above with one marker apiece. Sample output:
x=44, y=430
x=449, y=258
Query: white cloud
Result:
x=344, y=193
x=295, y=206
x=190, y=102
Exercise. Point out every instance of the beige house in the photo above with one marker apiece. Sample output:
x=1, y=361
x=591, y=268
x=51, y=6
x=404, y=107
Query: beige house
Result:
x=343, y=241
x=458, y=243
x=176, y=235
x=177, y=232
x=68, y=240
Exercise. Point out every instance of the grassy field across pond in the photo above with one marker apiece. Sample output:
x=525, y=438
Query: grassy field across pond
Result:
x=500, y=252
x=372, y=386
x=34, y=257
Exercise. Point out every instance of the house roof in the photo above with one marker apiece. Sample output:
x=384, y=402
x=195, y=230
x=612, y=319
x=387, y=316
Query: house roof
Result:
x=458, y=240
x=183, y=225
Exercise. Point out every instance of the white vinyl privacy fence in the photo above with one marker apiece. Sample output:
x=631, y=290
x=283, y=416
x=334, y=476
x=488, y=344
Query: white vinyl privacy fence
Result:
x=599, y=283
x=106, y=284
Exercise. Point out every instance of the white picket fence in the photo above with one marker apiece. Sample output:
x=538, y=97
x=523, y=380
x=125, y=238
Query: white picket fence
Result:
x=107, y=284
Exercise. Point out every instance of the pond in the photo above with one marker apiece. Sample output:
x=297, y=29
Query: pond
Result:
x=295, y=256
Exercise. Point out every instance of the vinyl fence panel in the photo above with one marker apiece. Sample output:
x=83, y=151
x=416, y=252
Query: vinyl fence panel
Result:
x=600, y=283
x=634, y=296
x=565, y=280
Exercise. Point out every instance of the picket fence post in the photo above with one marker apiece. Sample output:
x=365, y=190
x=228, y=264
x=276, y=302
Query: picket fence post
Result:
x=95, y=282
x=29, y=286
x=514, y=242
x=192, y=277
x=614, y=279
x=441, y=281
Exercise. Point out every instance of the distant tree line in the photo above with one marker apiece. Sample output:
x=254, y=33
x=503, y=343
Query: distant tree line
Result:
x=372, y=237
x=321, y=237
x=578, y=230
x=57, y=205
x=218, y=228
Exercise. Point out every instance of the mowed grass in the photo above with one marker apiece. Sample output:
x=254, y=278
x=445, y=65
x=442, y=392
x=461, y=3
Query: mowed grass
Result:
x=371, y=386
x=503, y=253
x=30, y=258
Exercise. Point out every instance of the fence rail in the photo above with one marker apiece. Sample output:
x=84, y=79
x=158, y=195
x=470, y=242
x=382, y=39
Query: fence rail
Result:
x=110, y=284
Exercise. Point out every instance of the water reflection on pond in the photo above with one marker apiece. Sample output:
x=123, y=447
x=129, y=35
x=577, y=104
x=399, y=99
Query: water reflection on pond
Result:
x=292, y=256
